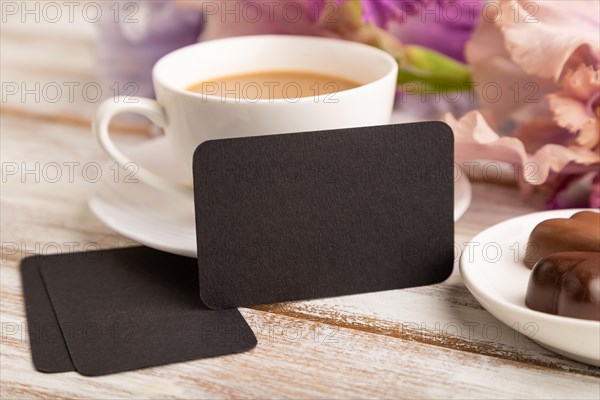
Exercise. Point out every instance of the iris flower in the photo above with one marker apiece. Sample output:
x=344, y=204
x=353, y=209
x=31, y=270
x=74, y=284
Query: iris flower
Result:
x=550, y=53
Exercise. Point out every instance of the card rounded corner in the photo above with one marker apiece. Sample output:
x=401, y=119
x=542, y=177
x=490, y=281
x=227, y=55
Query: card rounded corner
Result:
x=208, y=303
x=444, y=129
x=28, y=260
x=202, y=147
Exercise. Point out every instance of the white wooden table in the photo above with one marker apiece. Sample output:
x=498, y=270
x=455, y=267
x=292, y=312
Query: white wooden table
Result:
x=434, y=342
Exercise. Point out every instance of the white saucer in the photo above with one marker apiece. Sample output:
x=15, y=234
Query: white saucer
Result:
x=498, y=279
x=163, y=220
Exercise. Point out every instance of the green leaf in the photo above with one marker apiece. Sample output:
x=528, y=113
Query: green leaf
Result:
x=433, y=71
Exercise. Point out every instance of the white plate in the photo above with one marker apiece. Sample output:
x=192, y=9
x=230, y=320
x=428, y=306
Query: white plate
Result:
x=493, y=270
x=165, y=221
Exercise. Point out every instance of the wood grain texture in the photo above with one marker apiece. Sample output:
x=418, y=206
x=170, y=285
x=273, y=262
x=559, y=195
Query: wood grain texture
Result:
x=434, y=342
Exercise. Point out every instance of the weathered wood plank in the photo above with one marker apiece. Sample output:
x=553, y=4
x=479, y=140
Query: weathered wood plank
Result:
x=295, y=358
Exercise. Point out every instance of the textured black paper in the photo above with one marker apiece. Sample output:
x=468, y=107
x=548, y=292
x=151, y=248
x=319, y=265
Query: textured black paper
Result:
x=319, y=214
x=132, y=308
x=48, y=349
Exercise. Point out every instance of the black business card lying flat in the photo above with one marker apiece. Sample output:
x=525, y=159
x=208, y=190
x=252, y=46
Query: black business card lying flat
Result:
x=48, y=348
x=126, y=309
x=319, y=214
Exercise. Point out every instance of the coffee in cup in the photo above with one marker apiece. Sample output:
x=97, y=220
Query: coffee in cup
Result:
x=365, y=77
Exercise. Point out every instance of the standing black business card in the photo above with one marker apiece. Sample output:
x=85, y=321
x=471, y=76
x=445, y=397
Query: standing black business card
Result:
x=319, y=214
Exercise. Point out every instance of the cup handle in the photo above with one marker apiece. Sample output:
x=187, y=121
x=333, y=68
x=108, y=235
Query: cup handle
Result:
x=139, y=105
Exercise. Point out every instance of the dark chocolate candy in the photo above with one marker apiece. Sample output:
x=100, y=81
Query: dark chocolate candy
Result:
x=566, y=284
x=581, y=232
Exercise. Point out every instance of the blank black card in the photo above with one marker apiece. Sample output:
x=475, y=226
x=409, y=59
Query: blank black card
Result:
x=124, y=309
x=319, y=214
x=48, y=348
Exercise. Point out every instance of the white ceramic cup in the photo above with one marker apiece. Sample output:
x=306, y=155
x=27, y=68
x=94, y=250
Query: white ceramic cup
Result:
x=190, y=118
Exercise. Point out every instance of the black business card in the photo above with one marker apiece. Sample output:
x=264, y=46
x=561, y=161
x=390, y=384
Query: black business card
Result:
x=125, y=309
x=48, y=348
x=320, y=214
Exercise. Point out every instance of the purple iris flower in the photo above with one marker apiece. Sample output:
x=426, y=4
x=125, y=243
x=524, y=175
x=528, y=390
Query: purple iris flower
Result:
x=381, y=12
x=441, y=25
x=128, y=48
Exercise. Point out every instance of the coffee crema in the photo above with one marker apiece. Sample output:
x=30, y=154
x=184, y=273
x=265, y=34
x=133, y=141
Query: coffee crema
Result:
x=271, y=85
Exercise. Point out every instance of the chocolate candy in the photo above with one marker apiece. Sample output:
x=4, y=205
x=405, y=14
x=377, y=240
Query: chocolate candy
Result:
x=581, y=232
x=566, y=284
